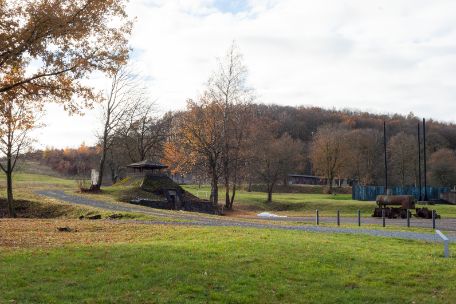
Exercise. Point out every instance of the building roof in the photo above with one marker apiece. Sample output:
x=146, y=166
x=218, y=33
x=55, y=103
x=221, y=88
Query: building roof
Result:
x=147, y=164
x=303, y=175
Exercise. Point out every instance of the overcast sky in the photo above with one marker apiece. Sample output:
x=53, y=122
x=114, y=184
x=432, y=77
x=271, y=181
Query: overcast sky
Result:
x=379, y=56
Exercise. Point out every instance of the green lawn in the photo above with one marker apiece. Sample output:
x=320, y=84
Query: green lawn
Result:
x=306, y=204
x=230, y=265
x=28, y=180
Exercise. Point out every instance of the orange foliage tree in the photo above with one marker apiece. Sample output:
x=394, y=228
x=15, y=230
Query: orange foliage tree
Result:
x=47, y=49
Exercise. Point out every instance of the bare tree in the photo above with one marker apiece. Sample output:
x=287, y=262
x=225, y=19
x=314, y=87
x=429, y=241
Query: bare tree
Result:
x=228, y=89
x=442, y=165
x=363, y=153
x=327, y=152
x=145, y=135
x=403, y=153
x=123, y=100
x=272, y=157
x=275, y=158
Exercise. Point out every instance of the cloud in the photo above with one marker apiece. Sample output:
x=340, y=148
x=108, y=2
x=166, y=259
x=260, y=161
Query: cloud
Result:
x=388, y=56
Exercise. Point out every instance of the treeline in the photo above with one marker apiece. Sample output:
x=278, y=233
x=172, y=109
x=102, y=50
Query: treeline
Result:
x=74, y=162
x=356, y=140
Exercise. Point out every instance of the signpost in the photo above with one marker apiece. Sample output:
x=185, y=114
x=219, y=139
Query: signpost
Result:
x=446, y=242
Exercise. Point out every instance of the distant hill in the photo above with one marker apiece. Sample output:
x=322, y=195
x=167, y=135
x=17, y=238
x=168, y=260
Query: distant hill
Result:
x=302, y=122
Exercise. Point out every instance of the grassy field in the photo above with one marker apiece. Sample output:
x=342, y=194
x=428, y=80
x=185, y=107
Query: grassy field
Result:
x=115, y=261
x=306, y=204
x=127, y=263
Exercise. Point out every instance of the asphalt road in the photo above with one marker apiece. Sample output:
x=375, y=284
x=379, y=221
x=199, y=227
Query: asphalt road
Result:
x=205, y=220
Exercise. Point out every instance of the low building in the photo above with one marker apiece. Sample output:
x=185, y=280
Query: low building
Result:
x=302, y=179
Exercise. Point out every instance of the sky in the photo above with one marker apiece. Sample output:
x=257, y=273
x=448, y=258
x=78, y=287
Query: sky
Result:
x=390, y=56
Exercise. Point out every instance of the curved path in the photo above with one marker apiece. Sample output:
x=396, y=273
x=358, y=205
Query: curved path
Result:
x=207, y=220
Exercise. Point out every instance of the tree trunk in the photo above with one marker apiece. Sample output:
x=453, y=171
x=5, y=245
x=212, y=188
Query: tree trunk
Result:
x=233, y=194
x=214, y=189
x=330, y=181
x=227, y=193
x=9, y=186
x=102, y=163
x=269, y=194
x=214, y=194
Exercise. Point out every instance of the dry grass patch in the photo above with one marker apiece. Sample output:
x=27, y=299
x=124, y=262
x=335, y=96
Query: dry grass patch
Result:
x=28, y=233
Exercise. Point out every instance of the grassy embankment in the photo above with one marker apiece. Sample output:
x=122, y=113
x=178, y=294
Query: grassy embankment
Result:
x=305, y=204
x=28, y=204
x=128, y=263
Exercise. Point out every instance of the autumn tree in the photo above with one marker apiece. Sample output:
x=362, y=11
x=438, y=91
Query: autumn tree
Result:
x=200, y=134
x=328, y=152
x=442, y=168
x=273, y=157
x=48, y=48
x=17, y=119
x=59, y=43
x=227, y=88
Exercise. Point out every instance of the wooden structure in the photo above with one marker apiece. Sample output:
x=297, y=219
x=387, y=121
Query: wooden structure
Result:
x=146, y=167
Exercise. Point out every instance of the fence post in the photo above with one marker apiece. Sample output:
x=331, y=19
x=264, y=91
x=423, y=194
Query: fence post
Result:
x=433, y=219
x=383, y=217
x=338, y=218
x=317, y=218
x=408, y=218
x=359, y=218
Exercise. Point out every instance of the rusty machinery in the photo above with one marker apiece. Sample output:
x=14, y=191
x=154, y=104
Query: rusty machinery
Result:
x=397, y=206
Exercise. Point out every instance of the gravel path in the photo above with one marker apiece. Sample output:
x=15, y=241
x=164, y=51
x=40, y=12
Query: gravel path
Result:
x=200, y=220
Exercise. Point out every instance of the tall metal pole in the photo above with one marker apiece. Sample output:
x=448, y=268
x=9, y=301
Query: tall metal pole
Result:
x=386, y=160
x=424, y=160
x=419, y=162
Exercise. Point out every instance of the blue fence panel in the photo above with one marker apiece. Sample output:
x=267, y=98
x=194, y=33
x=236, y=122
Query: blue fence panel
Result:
x=369, y=193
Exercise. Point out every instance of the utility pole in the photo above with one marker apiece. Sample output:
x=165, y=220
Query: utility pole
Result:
x=419, y=162
x=386, y=159
x=424, y=160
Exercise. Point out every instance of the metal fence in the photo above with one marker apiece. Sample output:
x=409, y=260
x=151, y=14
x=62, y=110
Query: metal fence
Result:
x=369, y=193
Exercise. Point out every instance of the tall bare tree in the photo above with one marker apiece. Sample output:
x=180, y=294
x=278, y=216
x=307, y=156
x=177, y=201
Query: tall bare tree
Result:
x=228, y=88
x=124, y=100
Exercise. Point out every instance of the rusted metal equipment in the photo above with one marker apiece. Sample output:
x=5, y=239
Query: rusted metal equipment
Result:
x=397, y=206
x=426, y=213
x=406, y=202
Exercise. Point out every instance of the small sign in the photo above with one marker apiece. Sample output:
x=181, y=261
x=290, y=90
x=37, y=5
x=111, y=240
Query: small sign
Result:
x=94, y=177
